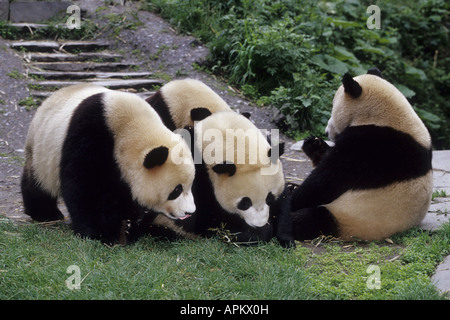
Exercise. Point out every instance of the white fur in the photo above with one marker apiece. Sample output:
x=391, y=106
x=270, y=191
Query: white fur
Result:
x=181, y=96
x=249, y=180
x=137, y=129
x=48, y=130
x=376, y=214
x=381, y=104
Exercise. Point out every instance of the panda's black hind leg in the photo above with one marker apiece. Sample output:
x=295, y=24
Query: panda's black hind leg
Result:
x=38, y=203
x=310, y=223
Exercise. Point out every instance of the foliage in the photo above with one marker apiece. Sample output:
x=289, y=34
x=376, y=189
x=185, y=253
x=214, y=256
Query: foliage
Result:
x=292, y=53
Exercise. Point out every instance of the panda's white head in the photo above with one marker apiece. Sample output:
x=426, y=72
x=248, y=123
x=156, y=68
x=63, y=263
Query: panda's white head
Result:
x=244, y=170
x=191, y=100
x=156, y=163
x=370, y=100
x=171, y=194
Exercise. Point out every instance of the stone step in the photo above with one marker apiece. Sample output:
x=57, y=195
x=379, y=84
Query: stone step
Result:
x=62, y=57
x=51, y=46
x=41, y=95
x=75, y=75
x=79, y=66
x=34, y=26
x=136, y=84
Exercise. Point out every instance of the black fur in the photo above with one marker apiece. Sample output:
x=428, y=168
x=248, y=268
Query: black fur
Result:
x=375, y=72
x=210, y=217
x=278, y=152
x=225, y=167
x=364, y=157
x=38, y=203
x=315, y=148
x=156, y=157
x=159, y=104
x=198, y=114
x=351, y=86
x=280, y=218
x=96, y=197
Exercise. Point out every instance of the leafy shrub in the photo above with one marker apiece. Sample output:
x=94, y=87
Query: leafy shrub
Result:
x=292, y=54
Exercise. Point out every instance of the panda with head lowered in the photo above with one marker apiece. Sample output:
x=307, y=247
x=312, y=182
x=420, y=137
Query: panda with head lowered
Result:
x=182, y=102
x=110, y=158
x=377, y=178
x=234, y=192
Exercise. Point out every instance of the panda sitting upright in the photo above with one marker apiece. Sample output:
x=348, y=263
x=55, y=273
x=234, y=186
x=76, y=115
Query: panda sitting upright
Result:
x=377, y=179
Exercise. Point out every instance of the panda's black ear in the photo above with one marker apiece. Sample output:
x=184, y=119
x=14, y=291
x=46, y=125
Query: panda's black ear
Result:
x=375, y=71
x=277, y=152
x=247, y=114
x=351, y=86
x=198, y=114
x=156, y=157
x=225, y=167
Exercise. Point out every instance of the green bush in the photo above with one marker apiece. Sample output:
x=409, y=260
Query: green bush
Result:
x=292, y=54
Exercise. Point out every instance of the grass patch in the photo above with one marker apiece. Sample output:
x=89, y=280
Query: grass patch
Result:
x=34, y=259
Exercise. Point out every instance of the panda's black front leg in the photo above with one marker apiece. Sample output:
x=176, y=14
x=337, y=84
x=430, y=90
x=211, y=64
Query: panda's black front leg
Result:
x=252, y=236
x=315, y=148
x=280, y=213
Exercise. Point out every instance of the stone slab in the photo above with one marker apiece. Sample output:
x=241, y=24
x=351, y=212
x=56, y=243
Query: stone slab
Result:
x=112, y=84
x=441, y=278
x=37, y=11
x=79, y=66
x=4, y=10
x=40, y=95
x=75, y=75
x=438, y=213
x=50, y=46
x=61, y=57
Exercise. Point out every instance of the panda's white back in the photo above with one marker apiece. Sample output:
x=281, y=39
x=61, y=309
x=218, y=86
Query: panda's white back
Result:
x=48, y=130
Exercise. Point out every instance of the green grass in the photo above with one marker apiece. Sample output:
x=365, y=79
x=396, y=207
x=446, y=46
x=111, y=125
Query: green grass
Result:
x=34, y=259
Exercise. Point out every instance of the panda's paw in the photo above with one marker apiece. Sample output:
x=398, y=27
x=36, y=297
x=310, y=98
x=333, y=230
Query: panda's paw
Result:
x=287, y=244
x=315, y=148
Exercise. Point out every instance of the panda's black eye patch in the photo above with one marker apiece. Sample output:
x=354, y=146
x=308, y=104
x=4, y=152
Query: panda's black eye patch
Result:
x=270, y=198
x=176, y=192
x=244, y=204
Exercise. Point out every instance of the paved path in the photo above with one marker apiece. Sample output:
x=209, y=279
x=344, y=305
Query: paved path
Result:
x=439, y=212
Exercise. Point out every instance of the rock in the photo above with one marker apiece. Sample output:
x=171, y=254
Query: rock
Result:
x=112, y=84
x=62, y=57
x=50, y=46
x=36, y=11
x=4, y=9
x=441, y=278
x=80, y=66
x=77, y=75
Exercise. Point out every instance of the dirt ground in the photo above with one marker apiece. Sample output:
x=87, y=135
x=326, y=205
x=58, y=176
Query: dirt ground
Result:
x=154, y=46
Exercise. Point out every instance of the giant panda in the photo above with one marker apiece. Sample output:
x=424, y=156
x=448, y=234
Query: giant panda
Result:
x=109, y=156
x=238, y=191
x=377, y=178
x=182, y=102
